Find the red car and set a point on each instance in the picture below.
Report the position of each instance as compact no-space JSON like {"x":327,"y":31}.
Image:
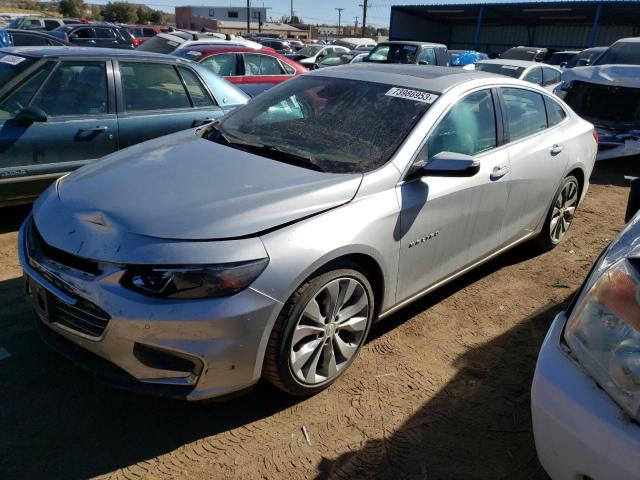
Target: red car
{"x":252,"y":70}
{"x":142,"y":33}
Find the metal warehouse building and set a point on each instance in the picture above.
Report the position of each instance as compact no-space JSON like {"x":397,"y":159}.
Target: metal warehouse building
{"x":494,"y":26}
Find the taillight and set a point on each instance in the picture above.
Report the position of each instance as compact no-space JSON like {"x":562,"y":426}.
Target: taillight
{"x":136,"y":42}
{"x":596,"y":137}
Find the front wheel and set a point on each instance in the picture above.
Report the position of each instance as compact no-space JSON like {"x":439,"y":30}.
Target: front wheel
{"x":560,"y":214}
{"x":319,"y":332}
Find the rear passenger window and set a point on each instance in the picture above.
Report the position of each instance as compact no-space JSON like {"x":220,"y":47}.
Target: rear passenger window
{"x":550,"y":76}
{"x":75,"y":88}
{"x":197,"y":92}
{"x":289,"y":70}
{"x":104,"y":33}
{"x":223,"y":64}
{"x":534,"y":76}
{"x":555,"y":113}
{"x":84,"y":33}
{"x":22,"y":40}
{"x":152,"y":86}
{"x":525,"y":112}
{"x":468,"y":128}
{"x":149,"y":32}
{"x":256,"y":64}
{"x":51,"y":24}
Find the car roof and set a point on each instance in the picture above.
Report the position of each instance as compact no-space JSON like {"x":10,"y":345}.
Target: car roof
{"x":46,"y":52}
{"x":405,"y":76}
{"x":212,"y":47}
{"x":629,"y":40}
{"x":411,"y":42}
{"x":513,"y":63}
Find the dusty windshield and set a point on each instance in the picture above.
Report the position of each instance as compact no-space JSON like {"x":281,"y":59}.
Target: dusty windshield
{"x":310,"y":50}
{"x":11,"y":66}
{"x":393,"y":53}
{"x":623,"y":53}
{"x":326,"y":124}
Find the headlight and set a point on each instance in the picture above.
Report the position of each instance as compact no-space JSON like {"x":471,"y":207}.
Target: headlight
{"x":562,"y":89}
{"x":194,"y":282}
{"x":603,"y":332}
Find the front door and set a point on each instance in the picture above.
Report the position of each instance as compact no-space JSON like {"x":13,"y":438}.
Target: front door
{"x":448,"y":223}
{"x":80,"y":125}
{"x":160,"y":98}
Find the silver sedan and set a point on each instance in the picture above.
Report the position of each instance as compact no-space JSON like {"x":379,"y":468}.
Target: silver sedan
{"x":266,"y":244}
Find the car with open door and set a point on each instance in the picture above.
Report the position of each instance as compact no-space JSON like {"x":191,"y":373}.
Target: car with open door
{"x":63,"y":107}
{"x":266,"y":244}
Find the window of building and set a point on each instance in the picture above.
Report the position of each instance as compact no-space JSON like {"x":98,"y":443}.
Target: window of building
{"x":232,"y":14}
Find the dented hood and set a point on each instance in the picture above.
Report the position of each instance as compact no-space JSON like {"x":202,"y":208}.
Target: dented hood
{"x":183,"y":187}
{"x":610,"y":75}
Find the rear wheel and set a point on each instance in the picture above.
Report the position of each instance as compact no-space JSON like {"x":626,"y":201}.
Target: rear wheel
{"x":560,"y":214}
{"x":319,"y":332}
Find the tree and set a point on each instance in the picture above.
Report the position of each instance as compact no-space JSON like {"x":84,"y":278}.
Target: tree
{"x":72,"y":8}
{"x":143,"y":15}
{"x":120,"y":12}
{"x":156,"y":17}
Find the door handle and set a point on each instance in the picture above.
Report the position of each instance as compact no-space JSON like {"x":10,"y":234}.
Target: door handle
{"x":199,"y":123}
{"x":499,"y":172}
{"x":95,"y":129}
{"x":556,"y":149}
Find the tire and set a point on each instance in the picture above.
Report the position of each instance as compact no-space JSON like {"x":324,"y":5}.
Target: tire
{"x":301,"y":328}
{"x":563,"y":208}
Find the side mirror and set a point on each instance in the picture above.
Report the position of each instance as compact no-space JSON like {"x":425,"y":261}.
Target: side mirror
{"x":30,"y":115}
{"x":450,"y":164}
{"x":583,"y":62}
{"x":423,"y":62}
{"x":633,"y":203}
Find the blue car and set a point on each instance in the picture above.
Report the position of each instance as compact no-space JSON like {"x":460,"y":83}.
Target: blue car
{"x":62,"y":107}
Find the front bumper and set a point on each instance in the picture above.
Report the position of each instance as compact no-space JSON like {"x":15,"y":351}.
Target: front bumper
{"x":614,"y":145}
{"x":580,"y":432}
{"x":193,"y":349}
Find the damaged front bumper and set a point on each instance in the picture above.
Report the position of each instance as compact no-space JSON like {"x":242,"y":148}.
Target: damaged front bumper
{"x":615,"y":144}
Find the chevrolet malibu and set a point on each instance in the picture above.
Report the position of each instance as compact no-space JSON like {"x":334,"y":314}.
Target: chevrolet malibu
{"x":585,"y":398}
{"x":194,"y":264}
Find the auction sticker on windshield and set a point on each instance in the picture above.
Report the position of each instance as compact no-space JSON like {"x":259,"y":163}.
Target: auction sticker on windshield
{"x":417,"y":95}
{"x":12,"y":59}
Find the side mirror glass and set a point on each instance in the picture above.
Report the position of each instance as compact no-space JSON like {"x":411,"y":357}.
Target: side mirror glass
{"x":450,"y":164}
{"x":30,"y":115}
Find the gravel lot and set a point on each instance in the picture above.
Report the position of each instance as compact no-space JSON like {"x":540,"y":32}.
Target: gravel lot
{"x":440,"y":391}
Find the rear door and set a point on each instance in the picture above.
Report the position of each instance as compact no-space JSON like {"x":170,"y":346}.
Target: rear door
{"x":83,"y":37}
{"x":81,"y":124}
{"x":537,"y":155}
{"x":262,"y":69}
{"x":157,"y":98}
{"x":105,"y":38}
{"x":227,"y":65}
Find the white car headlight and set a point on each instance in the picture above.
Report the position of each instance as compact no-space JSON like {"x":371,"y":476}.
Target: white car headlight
{"x":603,"y":331}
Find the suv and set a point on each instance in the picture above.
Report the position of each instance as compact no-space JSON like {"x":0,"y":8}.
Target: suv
{"x":98,"y":34}
{"x":418,"y":53}
{"x":40,"y":23}
{"x":532,"y":54}
{"x":280,"y":46}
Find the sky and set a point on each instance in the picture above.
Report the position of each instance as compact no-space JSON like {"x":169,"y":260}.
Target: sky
{"x":311,"y":11}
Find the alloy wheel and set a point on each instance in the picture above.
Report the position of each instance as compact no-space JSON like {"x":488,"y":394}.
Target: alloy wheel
{"x":564,"y":208}
{"x":329,"y":331}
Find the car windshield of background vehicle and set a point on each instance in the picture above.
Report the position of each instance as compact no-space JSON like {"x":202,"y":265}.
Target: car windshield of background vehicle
{"x":519,"y":54}
{"x":393,"y":54}
{"x":159,"y":44}
{"x":310,"y":50}
{"x":620,"y":54}
{"x":12,"y":65}
{"x":508,"y":70}
{"x":330,"y":124}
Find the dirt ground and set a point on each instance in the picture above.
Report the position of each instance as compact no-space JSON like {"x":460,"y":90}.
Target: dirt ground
{"x":440,"y":391}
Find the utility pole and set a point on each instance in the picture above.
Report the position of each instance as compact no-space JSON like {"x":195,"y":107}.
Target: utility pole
{"x":356,"y":25}
{"x":365,"y":7}
{"x":291,"y":17}
{"x":339,"y":17}
{"x":248,"y":16}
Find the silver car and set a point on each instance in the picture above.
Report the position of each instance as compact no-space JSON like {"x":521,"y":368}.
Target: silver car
{"x":546,"y":76}
{"x":266,"y":244}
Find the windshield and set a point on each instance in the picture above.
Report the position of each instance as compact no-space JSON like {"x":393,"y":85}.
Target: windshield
{"x":393,"y":54}
{"x":621,"y":53}
{"x":337,"y":59}
{"x":519,"y":54}
{"x":560,"y":57}
{"x":508,"y":70}
{"x":159,"y":44}
{"x":327,"y":124}
{"x":11,"y":66}
{"x":310,"y":50}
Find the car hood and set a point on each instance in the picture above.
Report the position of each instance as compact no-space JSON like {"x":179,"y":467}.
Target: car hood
{"x":612,"y":75}
{"x":183,"y":187}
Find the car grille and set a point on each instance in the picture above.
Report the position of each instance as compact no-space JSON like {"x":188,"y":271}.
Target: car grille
{"x":604,"y":104}
{"x":83,"y":317}
{"x":37,"y":245}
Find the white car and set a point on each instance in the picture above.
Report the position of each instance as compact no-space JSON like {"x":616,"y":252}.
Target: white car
{"x":311,"y":55}
{"x":585,"y":399}
{"x":546,"y":76}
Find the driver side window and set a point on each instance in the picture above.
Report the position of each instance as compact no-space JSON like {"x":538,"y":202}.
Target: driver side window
{"x":469,"y":127}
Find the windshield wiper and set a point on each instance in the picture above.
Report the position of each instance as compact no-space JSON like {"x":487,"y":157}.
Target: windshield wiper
{"x":274,"y":153}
